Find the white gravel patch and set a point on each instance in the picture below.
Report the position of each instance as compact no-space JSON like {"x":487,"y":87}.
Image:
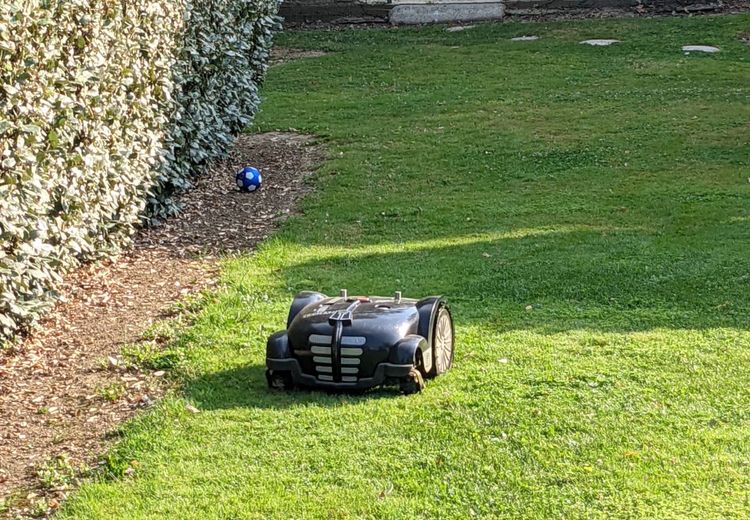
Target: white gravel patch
{"x":459,"y":28}
{"x":699,"y":48}
{"x":599,"y":43}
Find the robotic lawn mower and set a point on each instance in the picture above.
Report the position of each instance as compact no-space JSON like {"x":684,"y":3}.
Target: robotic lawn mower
{"x":361,"y":342}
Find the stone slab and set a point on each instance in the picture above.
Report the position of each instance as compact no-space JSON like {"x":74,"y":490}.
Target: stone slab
{"x":599,"y":43}
{"x":700,"y":48}
{"x":411,"y":14}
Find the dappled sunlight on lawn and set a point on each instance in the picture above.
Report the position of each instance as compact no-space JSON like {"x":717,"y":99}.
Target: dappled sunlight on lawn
{"x":297,"y":256}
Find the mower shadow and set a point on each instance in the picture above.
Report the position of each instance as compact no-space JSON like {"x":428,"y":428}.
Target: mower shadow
{"x":245,"y":387}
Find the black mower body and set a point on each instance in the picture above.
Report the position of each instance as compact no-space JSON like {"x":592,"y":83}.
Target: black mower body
{"x":358,"y":342}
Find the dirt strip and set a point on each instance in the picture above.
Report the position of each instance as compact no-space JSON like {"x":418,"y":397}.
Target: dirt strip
{"x":65,"y":387}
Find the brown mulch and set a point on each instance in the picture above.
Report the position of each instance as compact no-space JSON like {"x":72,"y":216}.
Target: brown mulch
{"x":52,"y":384}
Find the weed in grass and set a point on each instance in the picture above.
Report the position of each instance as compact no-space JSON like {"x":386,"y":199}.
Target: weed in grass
{"x":111,"y":392}
{"x":151,"y":356}
{"x":59,"y":472}
{"x":165,"y":331}
{"x":160,"y":347}
{"x":189,"y":305}
{"x":38,"y":508}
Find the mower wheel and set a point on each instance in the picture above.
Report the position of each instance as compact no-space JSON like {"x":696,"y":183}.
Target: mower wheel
{"x":279,"y":380}
{"x":442,"y":341}
{"x":413,"y":383}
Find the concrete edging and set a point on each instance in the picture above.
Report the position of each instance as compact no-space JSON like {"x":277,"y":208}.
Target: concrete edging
{"x":410,"y":14}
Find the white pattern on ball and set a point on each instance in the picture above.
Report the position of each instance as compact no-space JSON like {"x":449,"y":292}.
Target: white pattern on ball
{"x":240,"y":184}
{"x":252,"y":187}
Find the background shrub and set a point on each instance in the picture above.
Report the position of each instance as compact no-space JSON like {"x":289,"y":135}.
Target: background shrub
{"x":107,"y":109}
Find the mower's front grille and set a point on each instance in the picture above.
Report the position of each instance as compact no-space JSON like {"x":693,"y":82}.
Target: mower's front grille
{"x":350,"y":352}
{"x":353,"y":341}
{"x":319,"y":339}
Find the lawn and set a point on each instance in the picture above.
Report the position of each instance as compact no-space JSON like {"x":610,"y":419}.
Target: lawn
{"x":586,"y":210}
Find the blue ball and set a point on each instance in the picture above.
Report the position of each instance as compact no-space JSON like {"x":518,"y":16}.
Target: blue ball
{"x":249,"y":179}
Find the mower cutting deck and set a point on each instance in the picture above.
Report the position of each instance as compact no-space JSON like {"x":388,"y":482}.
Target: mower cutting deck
{"x":361,"y":342}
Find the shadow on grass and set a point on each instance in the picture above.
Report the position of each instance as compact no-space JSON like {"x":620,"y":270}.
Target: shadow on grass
{"x":245,"y":387}
{"x":543,"y":281}
{"x":615,"y":280}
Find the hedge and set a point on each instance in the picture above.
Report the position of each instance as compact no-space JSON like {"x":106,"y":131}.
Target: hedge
{"x":107,"y":109}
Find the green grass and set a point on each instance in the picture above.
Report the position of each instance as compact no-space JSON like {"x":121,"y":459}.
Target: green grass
{"x":586,"y":211}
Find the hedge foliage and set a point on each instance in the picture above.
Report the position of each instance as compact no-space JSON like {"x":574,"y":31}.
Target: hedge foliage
{"x":107,"y":109}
